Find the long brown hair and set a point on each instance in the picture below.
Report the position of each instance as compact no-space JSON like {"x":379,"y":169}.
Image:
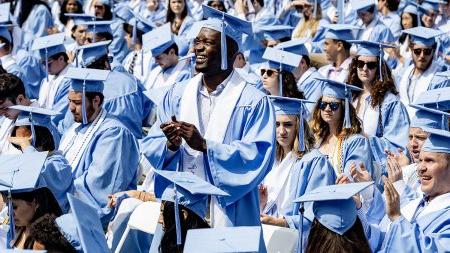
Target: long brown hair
{"x":309,"y":141}
{"x":321,"y":129}
{"x":321,"y":239}
{"x":290,"y":88}
{"x":379,"y":88}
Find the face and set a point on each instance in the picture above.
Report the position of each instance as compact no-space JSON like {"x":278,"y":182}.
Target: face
{"x":416,"y":139}
{"x":429,"y":18}
{"x":407,"y":20}
{"x":207,"y":51}
{"x":328,"y":115}
{"x":308,"y":11}
{"x":129,"y":41}
{"x":381,"y":4}
{"x":76,"y":107}
{"x":5,"y":111}
{"x":55,"y":65}
{"x":80,"y":35}
{"x":99,"y":10}
{"x":23,"y":212}
{"x":217,"y":5}
{"x":71,"y":6}
{"x":367,"y":73}
{"x":270,"y":80}
{"x":422,"y":56}
{"x":286,"y":130}
{"x":23,"y":131}
{"x":152,"y":5}
{"x":164,"y":60}
{"x":434,"y":173}
{"x":177,"y":6}
{"x":365,"y":16}
{"x":331,"y":49}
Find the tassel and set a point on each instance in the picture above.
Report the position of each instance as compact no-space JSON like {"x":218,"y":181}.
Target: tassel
{"x":142,"y":62}
{"x":46,"y":64}
{"x":177,"y":216}
{"x":347,"y":121}
{"x":76,"y":58}
{"x":11,"y":232}
{"x":315,"y":9}
{"x":33,"y":131}
{"x":223,"y":45}
{"x":340,"y":11}
{"x":381,"y":63}
{"x":83,"y":104}
{"x":301,"y":133}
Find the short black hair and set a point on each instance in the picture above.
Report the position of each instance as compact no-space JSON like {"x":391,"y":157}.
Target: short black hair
{"x":307,"y":59}
{"x":104,"y":35}
{"x":91,"y":95}
{"x":129,"y":30}
{"x":346,"y":45}
{"x":11,"y":87}
{"x":174,"y":47}
{"x":100,"y":63}
{"x":57,"y":55}
{"x":46,"y":231}
{"x":261,"y":2}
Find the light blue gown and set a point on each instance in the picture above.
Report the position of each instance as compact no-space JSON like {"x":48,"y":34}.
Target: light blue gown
{"x":34,"y":73}
{"x":237,"y":165}
{"x":118,"y":46}
{"x":182,"y":40}
{"x":36,"y":25}
{"x":108,"y":165}
{"x":311,"y":87}
{"x":379,"y":33}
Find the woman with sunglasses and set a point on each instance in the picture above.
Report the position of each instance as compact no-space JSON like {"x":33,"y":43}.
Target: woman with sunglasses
{"x":338,"y":130}
{"x":278,"y":70}
{"x":384,"y":118}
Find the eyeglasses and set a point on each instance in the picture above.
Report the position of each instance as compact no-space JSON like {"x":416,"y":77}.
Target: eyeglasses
{"x":426,"y":51}
{"x":333,"y":105}
{"x":370,"y":64}
{"x":269,"y":72}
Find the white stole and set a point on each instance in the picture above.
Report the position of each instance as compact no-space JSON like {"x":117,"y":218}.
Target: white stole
{"x":6,"y":128}
{"x":438,"y":203}
{"x":216,"y":130}
{"x":276,"y":182}
{"x":48,"y":89}
{"x":74,"y":143}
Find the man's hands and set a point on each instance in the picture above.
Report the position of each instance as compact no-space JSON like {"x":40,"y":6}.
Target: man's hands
{"x":175,"y":131}
{"x":392,"y":200}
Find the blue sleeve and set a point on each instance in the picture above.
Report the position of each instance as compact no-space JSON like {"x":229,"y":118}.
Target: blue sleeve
{"x":61,"y":101}
{"x":357,"y":150}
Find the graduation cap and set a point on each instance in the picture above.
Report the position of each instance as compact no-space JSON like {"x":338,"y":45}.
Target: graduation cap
{"x":124,"y":12}
{"x":411,"y":8}
{"x":362,"y":5}
{"x":80,"y":18}
{"x":5,"y":12}
{"x":19,"y":173}
{"x":89,"y":53}
{"x":340,"y":31}
{"x":36,"y":116}
{"x":295,"y":107}
{"x":333,"y":205}
{"x":139,"y":23}
{"x":423,"y":36}
{"x":282,"y":60}
{"x":340,"y":91}
{"x":274,"y":32}
{"x":437,"y":99}
{"x":227,"y":25}
{"x":48,"y":46}
{"x":225,"y":240}
{"x":190,"y":191}
{"x":82,"y":227}
{"x":103,"y":26}
{"x":158,"y":40}
{"x":438,"y":141}
{"x":86,"y":80}
{"x":370,"y":48}
{"x":295,"y":46}
{"x":428,"y":117}
{"x":431,"y":5}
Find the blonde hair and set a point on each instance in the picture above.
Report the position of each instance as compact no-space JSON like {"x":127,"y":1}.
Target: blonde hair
{"x":308,"y":28}
{"x":309,"y":141}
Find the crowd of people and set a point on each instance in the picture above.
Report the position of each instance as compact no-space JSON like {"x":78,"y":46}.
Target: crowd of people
{"x":330,"y":118}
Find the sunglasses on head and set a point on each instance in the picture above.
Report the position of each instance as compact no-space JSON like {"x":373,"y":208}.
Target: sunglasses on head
{"x":333,"y":105}
{"x":269,"y":72}
{"x":370,"y":64}
{"x":426,"y":51}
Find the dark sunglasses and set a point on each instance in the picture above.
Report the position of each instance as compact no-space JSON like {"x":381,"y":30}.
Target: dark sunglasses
{"x":269,"y":72}
{"x":370,"y":64}
{"x":426,"y":51}
{"x":333,"y":105}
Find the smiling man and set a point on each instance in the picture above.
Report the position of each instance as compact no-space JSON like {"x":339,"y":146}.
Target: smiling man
{"x":217,"y":126}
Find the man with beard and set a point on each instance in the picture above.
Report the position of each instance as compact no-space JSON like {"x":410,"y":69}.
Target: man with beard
{"x":102,"y":152}
{"x":216,"y":125}
{"x":418,"y":76}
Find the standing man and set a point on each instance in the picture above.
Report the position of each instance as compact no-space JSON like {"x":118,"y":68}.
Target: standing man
{"x":217,"y":126}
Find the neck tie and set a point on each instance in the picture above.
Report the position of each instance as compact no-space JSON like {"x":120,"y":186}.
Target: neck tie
{"x":419,"y":209}
{"x":133,"y":62}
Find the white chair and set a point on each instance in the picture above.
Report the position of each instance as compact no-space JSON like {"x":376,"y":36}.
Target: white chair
{"x":144,"y":218}
{"x":280,"y":239}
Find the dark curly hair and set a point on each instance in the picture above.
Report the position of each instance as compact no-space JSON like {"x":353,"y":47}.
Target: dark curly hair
{"x":62,"y":17}
{"x":11,"y":87}
{"x":45,"y":231}
{"x":379,"y":88}
{"x":290,"y":86}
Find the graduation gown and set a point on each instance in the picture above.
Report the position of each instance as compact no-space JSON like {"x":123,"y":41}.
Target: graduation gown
{"x":239,"y":162}
{"x":104,"y":157}
{"x":311,"y":87}
{"x":35,"y":26}
{"x":375,"y":31}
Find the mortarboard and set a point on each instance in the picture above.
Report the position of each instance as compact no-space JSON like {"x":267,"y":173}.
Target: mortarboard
{"x":428,"y":117}
{"x":89,"y":53}
{"x":437,"y":99}
{"x":103,"y":26}
{"x":49,"y":46}
{"x":423,"y":36}
{"x":80,"y":18}
{"x":36,"y":116}
{"x":369,"y":48}
{"x":227,"y":25}
{"x":411,"y":8}
{"x":431,"y":5}
{"x":438,"y":141}
{"x":333,"y":205}
{"x":362,"y":5}
{"x":339,"y":31}
{"x":190,"y":191}
{"x":86,"y":80}
{"x":158,"y":40}
{"x":225,"y":240}
{"x":274,"y":32}
{"x":5,"y":33}
{"x":139,"y":23}
{"x":124,"y":12}
{"x":5,"y":12}
{"x":292,"y":106}
{"x":340,"y":91}
{"x":295,"y":46}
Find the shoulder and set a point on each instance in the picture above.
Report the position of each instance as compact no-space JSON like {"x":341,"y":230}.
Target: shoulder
{"x":356,"y":139}
{"x":313,"y":156}
{"x":111,"y":125}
